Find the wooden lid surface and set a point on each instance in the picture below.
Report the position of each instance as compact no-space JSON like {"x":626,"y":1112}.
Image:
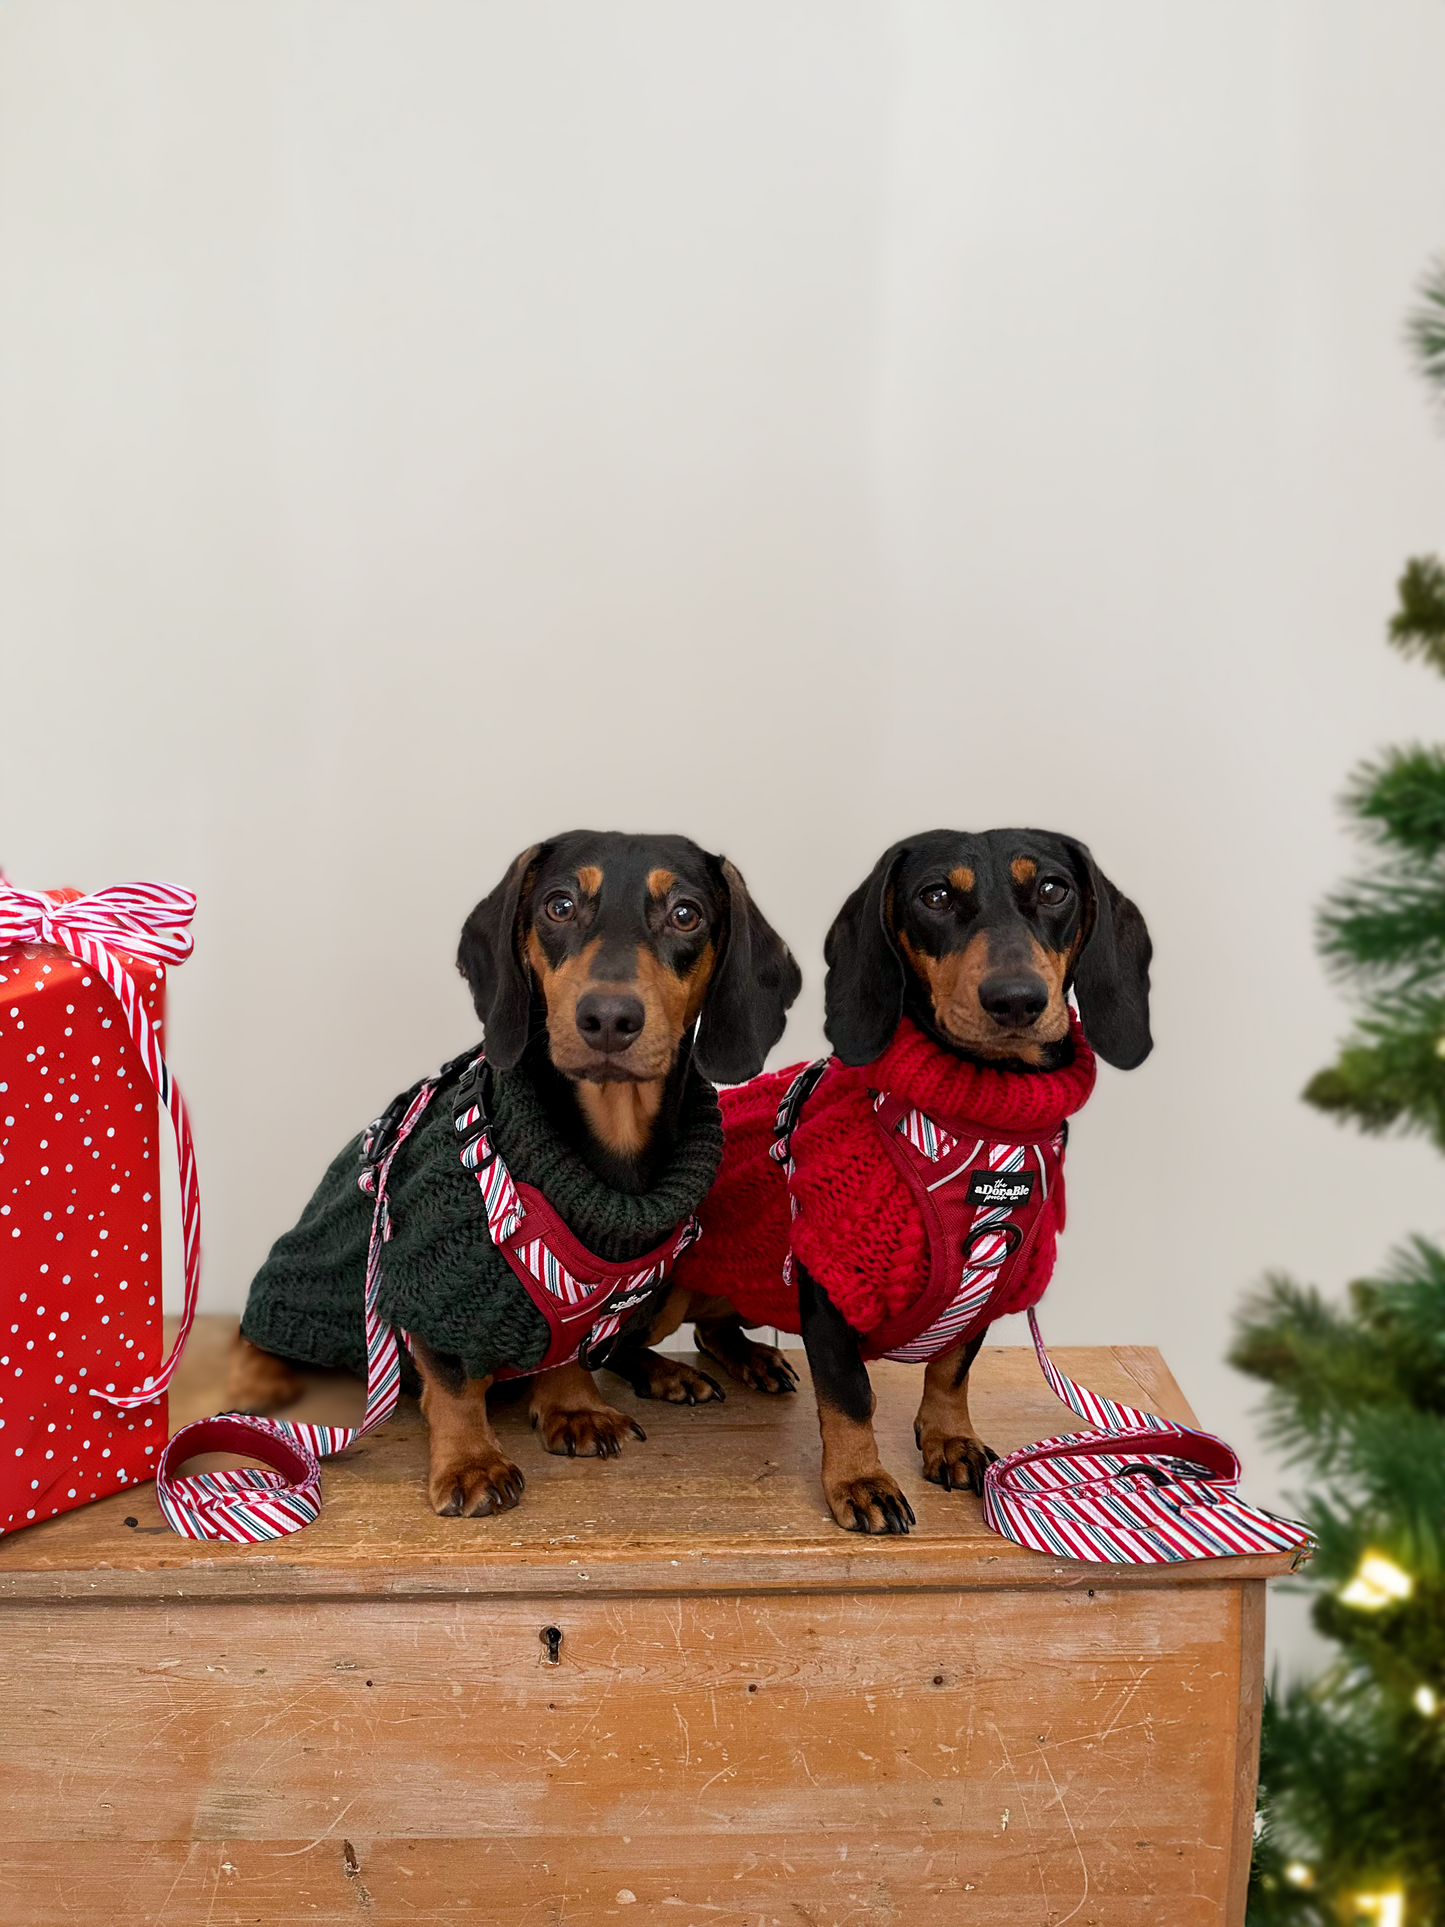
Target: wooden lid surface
{"x":719,"y":1499}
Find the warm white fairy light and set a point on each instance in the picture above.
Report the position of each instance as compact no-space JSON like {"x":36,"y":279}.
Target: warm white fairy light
{"x":1299,"y":1875}
{"x":1378,"y":1582}
{"x":1426,"y":1701}
{"x":1385,"y":1910}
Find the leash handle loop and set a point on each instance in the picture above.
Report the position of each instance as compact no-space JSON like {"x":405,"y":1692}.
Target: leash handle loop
{"x":1138,"y":1489}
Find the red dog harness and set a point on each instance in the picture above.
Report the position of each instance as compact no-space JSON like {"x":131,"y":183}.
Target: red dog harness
{"x":984,"y":1197}
{"x":583,"y":1298}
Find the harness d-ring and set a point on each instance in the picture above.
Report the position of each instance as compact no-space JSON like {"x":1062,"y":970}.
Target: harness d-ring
{"x":1010,"y":1233}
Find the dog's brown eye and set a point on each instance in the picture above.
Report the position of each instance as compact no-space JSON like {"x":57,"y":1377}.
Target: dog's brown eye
{"x":561,"y":908}
{"x":1054,"y":890}
{"x":684,"y":916}
{"x":936,"y":896}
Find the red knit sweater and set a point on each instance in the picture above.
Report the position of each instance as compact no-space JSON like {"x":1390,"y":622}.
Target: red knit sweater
{"x":857,"y":1228}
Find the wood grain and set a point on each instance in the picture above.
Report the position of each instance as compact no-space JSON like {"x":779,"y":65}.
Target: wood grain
{"x":1054,"y":1756}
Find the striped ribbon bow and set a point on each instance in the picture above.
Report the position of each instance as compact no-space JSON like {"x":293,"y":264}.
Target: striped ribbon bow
{"x":150,"y":920}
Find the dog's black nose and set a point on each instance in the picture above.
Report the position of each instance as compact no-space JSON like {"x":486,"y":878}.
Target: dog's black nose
{"x":1016,"y":1000}
{"x":609,"y":1020}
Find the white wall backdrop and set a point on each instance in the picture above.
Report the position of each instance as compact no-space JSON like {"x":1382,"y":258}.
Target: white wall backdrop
{"x":426,"y":424}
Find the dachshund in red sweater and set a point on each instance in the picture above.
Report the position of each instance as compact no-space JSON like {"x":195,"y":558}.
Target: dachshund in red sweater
{"x":910,"y":1190}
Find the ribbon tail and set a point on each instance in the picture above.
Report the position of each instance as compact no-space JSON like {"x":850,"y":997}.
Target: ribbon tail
{"x":88,"y":951}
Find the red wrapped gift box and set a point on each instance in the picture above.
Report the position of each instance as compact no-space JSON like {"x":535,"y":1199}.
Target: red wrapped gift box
{"x":80,"y":1227}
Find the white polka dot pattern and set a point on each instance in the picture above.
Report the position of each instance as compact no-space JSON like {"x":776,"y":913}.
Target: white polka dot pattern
{"x":80,"y":1235}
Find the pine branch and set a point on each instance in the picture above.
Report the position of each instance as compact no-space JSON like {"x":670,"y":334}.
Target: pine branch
{"x":1320,"y":1365}
{"x":1401,"y":1647}
{"x":1401,"y":799}
{"x":1330,"y":1369}
{"x":1390,"y":1074}
{"x":1409,"y":1299}
{"x":1391,"y":922}
{"x":1417,"y":627}
{"x":1426,"y":327}
{"x":1388,"y":1492}
{"x":1353,"y":1785}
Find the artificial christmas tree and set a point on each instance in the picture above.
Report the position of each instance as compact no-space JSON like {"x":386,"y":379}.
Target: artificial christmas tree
{"x":1352,"y":1771}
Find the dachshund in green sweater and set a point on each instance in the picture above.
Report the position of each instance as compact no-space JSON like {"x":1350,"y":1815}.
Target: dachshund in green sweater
{"x":618,"y":979}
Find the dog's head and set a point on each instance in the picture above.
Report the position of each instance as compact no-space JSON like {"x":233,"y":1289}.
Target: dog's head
{"x":619,"y":945}
{"x":980,"y":938}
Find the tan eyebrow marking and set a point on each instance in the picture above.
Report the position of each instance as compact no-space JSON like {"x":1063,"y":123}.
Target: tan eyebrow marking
{"x":1023,"y":869}
{"x":589,"y":879}
{"x":962,"y":878}
{"x":659,"y":882}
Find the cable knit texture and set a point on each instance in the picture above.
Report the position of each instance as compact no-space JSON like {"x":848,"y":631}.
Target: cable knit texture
{"x":442,"y":1277}
{"x":857,"y":1228}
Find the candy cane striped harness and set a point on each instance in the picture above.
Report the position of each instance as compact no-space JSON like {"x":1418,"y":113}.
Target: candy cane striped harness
{"x":1148,"y":1491}
{"x":584,"y":1300}
{"x":982,"y":1192}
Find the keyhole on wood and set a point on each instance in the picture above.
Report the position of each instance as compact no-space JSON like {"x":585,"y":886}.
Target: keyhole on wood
{"x":551,"y":1638}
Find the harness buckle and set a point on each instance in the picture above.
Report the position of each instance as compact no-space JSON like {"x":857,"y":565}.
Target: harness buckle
{"x":473,"y":1087}
{"x":377,"y":1137}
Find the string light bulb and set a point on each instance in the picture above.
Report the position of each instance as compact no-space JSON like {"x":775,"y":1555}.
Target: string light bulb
{"x":1377,"y":1582}
{"x":1426,"y":1701}
{"x":1385,"y":1910}
{"x":1299,"y":1875}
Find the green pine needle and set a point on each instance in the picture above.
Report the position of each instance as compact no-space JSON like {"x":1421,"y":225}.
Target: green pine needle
{"x":1417,"y":627}
{"x":1426,"y":326}
{"x":1401,"y":799}
{"x":1390,"y":1074}
{"x":1356,"y":1785}
{"x":1327,"y":1365}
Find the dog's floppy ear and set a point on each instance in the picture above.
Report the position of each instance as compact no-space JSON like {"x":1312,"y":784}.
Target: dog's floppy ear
{"x":753,"y":982}
{"x":491,"y":961}
{"x":1111,"y":976}
{"x":863,"y":991}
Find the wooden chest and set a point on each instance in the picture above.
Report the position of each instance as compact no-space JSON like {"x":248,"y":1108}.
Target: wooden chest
{"x":750,"y":1719}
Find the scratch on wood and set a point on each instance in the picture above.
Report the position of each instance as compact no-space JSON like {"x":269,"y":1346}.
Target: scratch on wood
{"x":1063,"y":1808}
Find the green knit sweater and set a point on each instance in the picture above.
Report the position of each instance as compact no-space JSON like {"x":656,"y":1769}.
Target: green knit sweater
{"x":442,"y":1277}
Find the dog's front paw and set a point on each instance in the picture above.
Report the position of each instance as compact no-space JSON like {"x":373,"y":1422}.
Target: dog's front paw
{"x":873,"y":1503}
{"x":763,"y":1368}
{"x":957,"y":1464}
{"x":471,"y":1487}
{"x":654,"y":1375}
{"x":588,"y":1432}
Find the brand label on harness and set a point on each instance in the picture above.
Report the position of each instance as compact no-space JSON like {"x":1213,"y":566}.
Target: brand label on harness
{"x":1006,"y":1188}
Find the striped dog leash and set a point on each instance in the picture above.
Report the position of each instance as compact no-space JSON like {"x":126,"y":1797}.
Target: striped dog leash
{"x":283,"y":1493}
{"x":1137,"y":1490}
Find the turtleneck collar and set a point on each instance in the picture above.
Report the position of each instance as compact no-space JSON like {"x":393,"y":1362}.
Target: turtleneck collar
{"x":943,"y":1086}
{"x":617,"y":1225}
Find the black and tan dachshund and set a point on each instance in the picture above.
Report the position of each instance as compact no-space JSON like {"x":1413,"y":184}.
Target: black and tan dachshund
{"x":611,"y":968}
{"x":978,"y":939}
{"x":958,"y":951}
